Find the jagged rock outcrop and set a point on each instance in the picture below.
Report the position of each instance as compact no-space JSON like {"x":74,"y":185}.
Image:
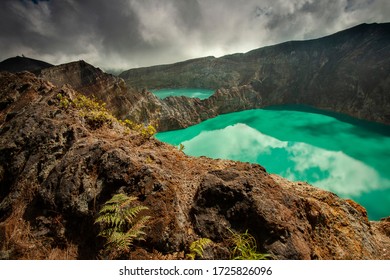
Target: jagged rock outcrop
{"x":56,"y":170}
{"x":92,"y":81}
{"x":144,"y":107}
{"x":347,"y":72}
{"x":124,"y":101}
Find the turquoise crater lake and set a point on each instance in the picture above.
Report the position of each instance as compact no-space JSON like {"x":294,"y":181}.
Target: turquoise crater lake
{"x":188,"y":92}
{"x":343,"y":155}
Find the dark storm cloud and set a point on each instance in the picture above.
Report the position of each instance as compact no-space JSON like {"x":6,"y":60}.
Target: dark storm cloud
{"x":130,"y":33}
{"x":63,"y":30}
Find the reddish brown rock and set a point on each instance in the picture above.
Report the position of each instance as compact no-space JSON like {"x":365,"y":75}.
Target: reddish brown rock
{"x":56,"y":170}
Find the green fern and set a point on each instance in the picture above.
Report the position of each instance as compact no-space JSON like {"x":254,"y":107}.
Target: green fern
{"x":243,"y":247}
{"x":121,"y":224}
{"x":197,"y":248}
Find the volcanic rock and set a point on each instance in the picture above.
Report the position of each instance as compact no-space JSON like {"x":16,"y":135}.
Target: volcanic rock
{"x":56,"y":171}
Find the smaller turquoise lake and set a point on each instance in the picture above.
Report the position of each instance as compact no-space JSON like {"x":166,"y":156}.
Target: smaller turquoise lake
{"x":337,"y":153}
{"x":189,"y":92}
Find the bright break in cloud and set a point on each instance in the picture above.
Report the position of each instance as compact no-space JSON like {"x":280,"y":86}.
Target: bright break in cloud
{"x":123,"y":34}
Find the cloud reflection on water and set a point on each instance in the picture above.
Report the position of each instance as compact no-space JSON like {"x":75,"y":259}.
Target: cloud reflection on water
{"x":346,"y":176}
{"x":239,"y":142}
{"x":331,"y":170}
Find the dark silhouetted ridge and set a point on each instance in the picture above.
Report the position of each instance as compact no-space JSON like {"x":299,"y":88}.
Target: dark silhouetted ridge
{"x":21,"y":63}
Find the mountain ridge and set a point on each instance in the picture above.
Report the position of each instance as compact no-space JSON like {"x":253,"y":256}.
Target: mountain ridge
{"x":347,"y":72}
{"x":22,"y":63}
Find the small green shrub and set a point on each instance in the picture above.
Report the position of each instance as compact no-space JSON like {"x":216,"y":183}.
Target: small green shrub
{"x":96,"y":114}
{"x":197,"y":248}
{"x":146,"y":131}
{"x":64,"y":101}
{"x":121,"y":224}
{"x":89,"y":104}
{"x":181,"y":147}
{"x":93,"y":111}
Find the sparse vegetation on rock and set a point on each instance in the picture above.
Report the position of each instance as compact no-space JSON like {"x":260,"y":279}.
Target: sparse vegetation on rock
{"x":92,"y":110}
{"x":146,"y":131}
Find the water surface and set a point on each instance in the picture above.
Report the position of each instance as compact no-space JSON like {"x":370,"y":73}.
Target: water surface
{"x":189,"y":92}
{"x":346,"y":156}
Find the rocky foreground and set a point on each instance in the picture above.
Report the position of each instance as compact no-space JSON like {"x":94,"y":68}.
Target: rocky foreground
{"x":57,"y":168}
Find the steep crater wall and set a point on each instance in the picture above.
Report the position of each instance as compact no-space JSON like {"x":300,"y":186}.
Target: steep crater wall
{"x":347,"y":72}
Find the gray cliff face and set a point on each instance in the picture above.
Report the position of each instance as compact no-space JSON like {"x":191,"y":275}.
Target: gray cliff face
{"x":180,"y":112}
{"x":206,"y":72}
{"x":347,"y":72}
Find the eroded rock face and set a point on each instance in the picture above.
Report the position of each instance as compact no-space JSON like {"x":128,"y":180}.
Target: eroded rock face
{"x":144,"y":107}
{"x":93,"y":82}
{"x":123,"y":101}
{"x":347,"y":72}
{"x":56,"y":171}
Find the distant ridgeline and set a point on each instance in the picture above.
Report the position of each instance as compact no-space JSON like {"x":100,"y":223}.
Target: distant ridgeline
{"x":22,"y":63}
{"x":347,"y":72}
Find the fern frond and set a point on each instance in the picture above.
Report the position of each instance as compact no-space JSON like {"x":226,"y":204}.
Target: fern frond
{"x":109,"y":208}
{"x":122,"y":198}
{"x":137,"y":229}
{"x":191,"y":256}
{"x":106,"y":233}
{"x":130,"y":213}
{"x":125,"y":201}
{"x":197,"y":248}
{"x":111,"y":220}
{"x":244,"y":247}
{"x":140,"y":223}
{"x":121,"y":224}
{"x":119,"y":241}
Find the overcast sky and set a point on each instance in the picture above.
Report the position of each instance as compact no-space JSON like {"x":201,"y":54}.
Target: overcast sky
{"x":123,"y":34}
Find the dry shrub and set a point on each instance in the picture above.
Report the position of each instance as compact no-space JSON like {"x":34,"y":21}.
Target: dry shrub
{"x":17,"y":239}
{"x":68,"y":253}
{"x":18,"y":242}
